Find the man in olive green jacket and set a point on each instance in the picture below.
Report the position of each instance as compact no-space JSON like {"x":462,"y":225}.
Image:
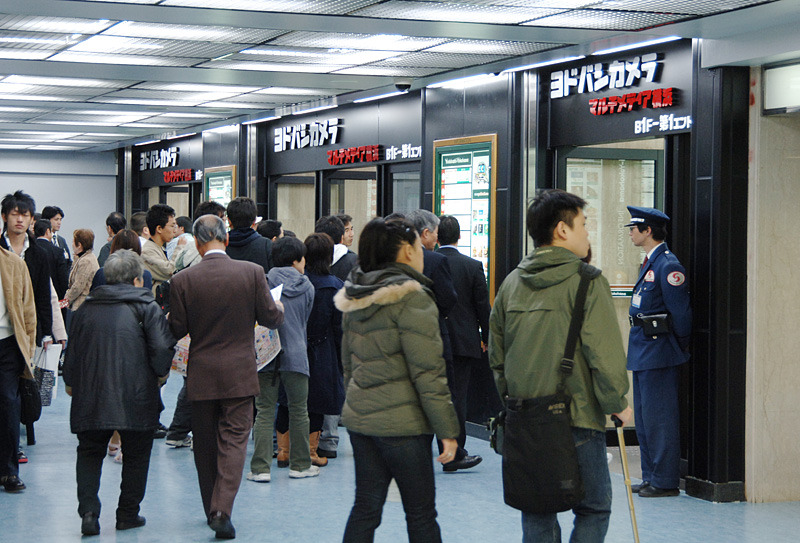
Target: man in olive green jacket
{"x":528,"y":332}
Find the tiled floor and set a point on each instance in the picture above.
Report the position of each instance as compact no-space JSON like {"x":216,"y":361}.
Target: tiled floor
{"x":470,"y":504}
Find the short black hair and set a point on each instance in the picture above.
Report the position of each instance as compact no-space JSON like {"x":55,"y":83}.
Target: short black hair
{"x":319,"y":253}
{"x":287,"y":251}
{"x":158,"y":215}
{"x":289,"y":234}
{"x":41,"y":227}
{"x":549,"y":208}
{"x":51,"y":211}
{"x":185,"y":223}
{"x":116,"y":221}
{"x":269,"y":228}
{"x":449,"y":230}
{"x":345,"y":218}
{"x":138,"y":222}
{"x":20,"y":201}
{"x":331,"y":225}
{"x":659,"y":232}
{"x":381,"y":239}
{"x":209,"y":208}
{"x":242,"y":212}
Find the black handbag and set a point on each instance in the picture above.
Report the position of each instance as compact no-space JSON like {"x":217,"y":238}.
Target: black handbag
{"x":541,"y":473}
{"x":31,"y":401}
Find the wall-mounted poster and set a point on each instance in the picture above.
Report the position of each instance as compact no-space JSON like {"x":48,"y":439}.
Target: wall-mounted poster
{"x":464,"y":187}
{"x":219,"y":184}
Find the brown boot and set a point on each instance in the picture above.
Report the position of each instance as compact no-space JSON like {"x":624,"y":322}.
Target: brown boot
{"x":313,"y":443}
{"x":283,"y":449}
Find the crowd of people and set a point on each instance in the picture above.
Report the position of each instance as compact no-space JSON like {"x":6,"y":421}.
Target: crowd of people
{"x":382,"y":342}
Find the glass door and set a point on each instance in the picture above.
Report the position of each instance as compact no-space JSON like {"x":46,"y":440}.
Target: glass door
{"x":292,"y":201}
{"x":353,"y":192}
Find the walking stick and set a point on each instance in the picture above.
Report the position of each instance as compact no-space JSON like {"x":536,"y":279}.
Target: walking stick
{"x":623,"y":455}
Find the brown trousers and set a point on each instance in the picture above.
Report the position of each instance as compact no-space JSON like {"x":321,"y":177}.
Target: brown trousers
{"x":221,"y":429}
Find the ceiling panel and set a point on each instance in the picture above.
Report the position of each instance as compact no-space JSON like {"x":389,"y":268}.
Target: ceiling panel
{"x":492,"y":47}
{"x":608,"y":19}
{"x":376,"y":42}
{"x":272,"y":66}
{"x":149,"y":46}
{"x":308,"y":55}
{"x":455,"y":11}
{"x":225,"y":34}
{"x":438,"y":60}
{"x":63,"y":25}
{"x":133,"y":60}
{"x":695,"y":7}
{"x":389,"y":71}
{"x":330,"y":7}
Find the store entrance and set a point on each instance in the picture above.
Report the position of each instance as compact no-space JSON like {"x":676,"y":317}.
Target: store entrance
{"x":353,"y":192}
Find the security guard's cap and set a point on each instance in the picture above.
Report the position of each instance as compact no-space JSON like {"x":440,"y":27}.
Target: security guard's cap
{"x":647,"y":216}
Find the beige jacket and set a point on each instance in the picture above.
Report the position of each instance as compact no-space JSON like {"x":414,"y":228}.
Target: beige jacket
{"x":156,"y":262}
{"x":80,"y":278}
{"x":18,"y":292}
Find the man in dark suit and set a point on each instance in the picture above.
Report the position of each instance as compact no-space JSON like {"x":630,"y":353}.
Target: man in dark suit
{"x":218,"y":301}
{"x":58,"y":266}
{"x":437,"y":269}
{"x":468,"y":322}
{"x":55,"y":215}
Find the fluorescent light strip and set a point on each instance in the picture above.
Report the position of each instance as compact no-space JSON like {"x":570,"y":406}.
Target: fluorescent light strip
{"x":637,"y":45}
{"x":464,"y":82}
{"x":182,"y":136}
{"x":313,"y":109}
{"x":379,"y":97}
{"x":145,"y":142}
{"x":223,"y":129}
{"x":541,"y":64}
{"x":262,"y":120}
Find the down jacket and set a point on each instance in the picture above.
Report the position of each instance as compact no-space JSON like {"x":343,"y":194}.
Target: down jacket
{"x":120,"y":344}
{"x":394,"y":374}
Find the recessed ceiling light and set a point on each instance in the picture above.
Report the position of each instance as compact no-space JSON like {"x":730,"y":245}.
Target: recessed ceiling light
{"x":636,"y":45}
{"x":542,"y":64}
{"x":379,"y":97}
{"x":313,"y":109}
{"x":465,"y":82}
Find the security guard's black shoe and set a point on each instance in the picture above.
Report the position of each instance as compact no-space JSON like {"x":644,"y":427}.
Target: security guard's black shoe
{"x":636,"y":488}
{"x":651,"y":491}
{"x":469,"y":461}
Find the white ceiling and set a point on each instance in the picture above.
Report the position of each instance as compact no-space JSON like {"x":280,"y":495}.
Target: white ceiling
{"x":100,"y":74}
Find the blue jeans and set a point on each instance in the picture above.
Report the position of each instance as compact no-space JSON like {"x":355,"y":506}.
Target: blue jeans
{"x":594,"y":512}
{"x":409,"y":461}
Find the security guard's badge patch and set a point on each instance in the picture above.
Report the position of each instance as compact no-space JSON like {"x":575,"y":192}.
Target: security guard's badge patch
{"x":650,"y":276}
{"x":676,"y":279}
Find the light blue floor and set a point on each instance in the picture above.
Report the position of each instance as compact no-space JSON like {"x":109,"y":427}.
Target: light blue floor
{"x":470,"y":503}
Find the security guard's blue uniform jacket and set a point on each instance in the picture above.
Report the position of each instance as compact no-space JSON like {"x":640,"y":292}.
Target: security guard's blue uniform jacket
{"x":661,"y":287}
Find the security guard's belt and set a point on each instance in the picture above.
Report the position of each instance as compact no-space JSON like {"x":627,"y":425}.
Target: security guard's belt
{"x":652,"y":325}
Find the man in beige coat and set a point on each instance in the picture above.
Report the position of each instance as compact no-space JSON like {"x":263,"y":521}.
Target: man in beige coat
{"x":17,"y":342}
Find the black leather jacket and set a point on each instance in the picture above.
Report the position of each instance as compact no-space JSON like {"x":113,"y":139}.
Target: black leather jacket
{"x":119,"y":345}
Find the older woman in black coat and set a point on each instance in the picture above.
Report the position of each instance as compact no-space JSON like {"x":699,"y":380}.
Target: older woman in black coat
{"x":325,"y":385}
{"x":120,"y":345}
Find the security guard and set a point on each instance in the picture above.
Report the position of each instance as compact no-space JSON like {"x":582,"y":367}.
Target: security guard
{"x":661,"y":323}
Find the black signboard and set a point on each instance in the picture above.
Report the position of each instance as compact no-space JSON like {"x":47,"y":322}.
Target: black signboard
{"x":169,"y":162}
{"x":642,"y":93}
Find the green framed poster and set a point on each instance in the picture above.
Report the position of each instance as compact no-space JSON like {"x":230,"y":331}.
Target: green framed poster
{"x":464,"y":186}
{"x":219,"y":184}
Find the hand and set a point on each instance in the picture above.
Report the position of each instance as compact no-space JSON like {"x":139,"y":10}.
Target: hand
{"x":63,"y":343}
{"x":483,"y":347}
{"x":279,"y":304}
{"x":449,"y":448}
{"x":182,"y":241}
{"x":46,"y":344}
{"x":626,"y":416}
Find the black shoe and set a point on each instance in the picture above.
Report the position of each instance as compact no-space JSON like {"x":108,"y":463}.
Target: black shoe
{"x":160,"y":432}
{"x":651,"y":491}
{"x":131,"y":523}
{"x":12,"y":483}
{"x":636,"y":488}
{"x":326,"y":454}
{"x":221,"y":524}
{"x":90,"y":524}
{"x":465,"y":463}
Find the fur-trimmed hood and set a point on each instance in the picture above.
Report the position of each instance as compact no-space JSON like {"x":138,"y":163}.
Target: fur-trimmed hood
{"x":380,"y":287}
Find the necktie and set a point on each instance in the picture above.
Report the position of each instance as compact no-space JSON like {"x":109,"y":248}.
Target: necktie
{"x":644,"y":263}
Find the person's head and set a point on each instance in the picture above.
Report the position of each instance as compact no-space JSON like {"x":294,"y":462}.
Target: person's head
{"x":383,"y":242}
{"x":449,"y":230}
{"x":349,"y":232}
{"x":242,"y":212}
{"x":41,"y":229}
{"x":123,"y":267}
{"x":270,"y":229}
{"x":161,"y":223}
{"x":17,"y":212}
{"x":427,"y":225}
{"x":555,"y":217}
{"x":209,"y":233}
{"x":126,"y":239}
{"x":209,"y":208}
{"x":139,"y":223}
{"x":648,"y":226}
{"x":184,"y":225}
{"x":115,"y":222}
{"x":289,"y":251}
{"x":331,"y":225}
{"x":319,"y":253}
{"x":54,"y":214}
{"x":289,"y":234}
{"x":83,"y":240}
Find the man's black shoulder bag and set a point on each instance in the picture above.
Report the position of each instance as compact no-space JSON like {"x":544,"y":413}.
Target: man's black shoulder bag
{"x":540,"y":464}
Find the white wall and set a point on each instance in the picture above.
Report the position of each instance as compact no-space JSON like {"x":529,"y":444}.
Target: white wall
{"x":772,"y":446}
{"x":82,"y":184}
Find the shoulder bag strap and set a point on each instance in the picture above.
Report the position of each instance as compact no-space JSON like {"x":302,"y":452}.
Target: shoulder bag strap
{"x":587,"y":273}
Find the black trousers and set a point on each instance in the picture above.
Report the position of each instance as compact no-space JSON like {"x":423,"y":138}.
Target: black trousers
{"x":136,"y":447}
{"x":458,"y":382}
{"x":182,"y":419}
{"x":11,"y":366}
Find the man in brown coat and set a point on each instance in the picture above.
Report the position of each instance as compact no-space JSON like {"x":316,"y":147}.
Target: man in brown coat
{"x":217,"y":302}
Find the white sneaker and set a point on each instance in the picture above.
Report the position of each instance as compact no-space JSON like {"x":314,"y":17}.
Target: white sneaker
{"x":258,"y":477}
{"x":178,"y":443}
{"x":312,"y":471}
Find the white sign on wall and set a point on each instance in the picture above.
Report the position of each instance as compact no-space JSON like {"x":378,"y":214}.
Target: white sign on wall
{"x":315,"y":134}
